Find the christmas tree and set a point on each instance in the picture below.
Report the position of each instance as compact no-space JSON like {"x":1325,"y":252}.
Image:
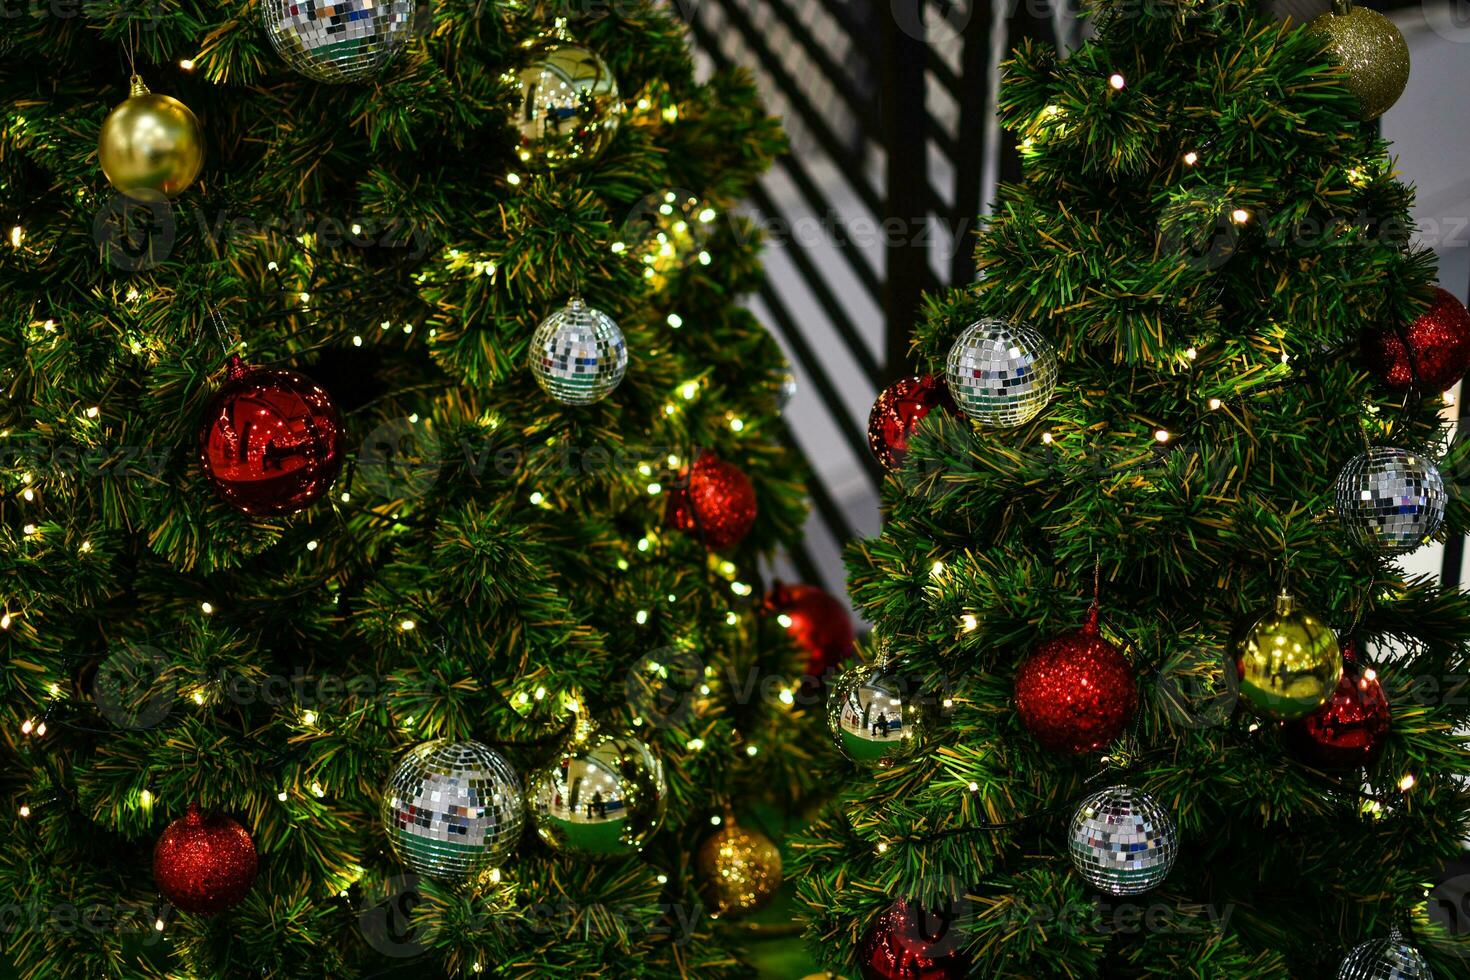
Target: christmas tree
{"x":1089,"y":739}
{"x":387,"y":471}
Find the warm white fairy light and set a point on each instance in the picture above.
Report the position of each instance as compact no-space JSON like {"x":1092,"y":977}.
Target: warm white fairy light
{"x":969,"y":622}
{"x":1161,"y":435}
{"x":1117,"y":81}
{"x":1240,"y":216}
{"x":317,"y":790}
{"x":1407,"y":783}
{"x":784,"y":620}
{"x":1215,"y":403}
{"x":1191,"y":158}
{"x":187,"y":64}
{"x":207,"y":608}
{"x":641,"y":617}
{"x":408,"y":626}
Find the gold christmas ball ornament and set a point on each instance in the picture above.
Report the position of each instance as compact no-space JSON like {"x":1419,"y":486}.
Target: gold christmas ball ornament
{"x":1372,"y":50}
{"x":1289,"y":662}
{"x":151,"y":147}
{"x":567,"y":105}
{"x":738,"y":870}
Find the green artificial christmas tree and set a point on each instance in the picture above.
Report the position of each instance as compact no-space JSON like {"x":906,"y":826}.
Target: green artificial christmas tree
{"x":387,"y":467}
{"x":1149,"y":695}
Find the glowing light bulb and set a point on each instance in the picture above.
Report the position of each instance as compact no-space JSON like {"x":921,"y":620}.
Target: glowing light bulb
{"x":1117,"y":81}
{"x":1191,"y":158}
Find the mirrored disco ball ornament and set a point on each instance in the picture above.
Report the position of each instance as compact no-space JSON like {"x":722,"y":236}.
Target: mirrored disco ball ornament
{"x":337,"y":41}
{"x":604,"y":796}
{"x":1390,"y":499}
{"x":578,"y":354}
{"x":1384,"y":959}
{"x":1001,"y":374}
{"x":1122,"y":841}
{"x":878,"y":715}
{"x":453,"y":809}
{"x":567,"y":104}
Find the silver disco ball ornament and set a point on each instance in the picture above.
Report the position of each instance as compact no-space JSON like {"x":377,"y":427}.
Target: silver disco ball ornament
{"x":1122,"y":841}
{"x":338,"y":41}
{"x":578,"y":354}
{"x":878,"y":715}
{"x":1390,"y":499}
{"x":603,"y":796}
{"x":567,"y":106}
{"x":1001,"y":374}
{"x":1384,"y":959}
{"x":453,"y":809}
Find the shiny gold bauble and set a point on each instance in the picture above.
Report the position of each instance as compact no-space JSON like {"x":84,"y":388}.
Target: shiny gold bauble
{"x":151,"y":147}
{"x":567,"y":107}
{"x":1289,"y":663}
{"x":738,"y":870}
{"x":1373,"y":51}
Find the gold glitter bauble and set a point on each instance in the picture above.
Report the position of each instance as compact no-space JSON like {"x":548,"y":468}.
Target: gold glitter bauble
{"x":1373,"y":51}
{"x":1289,"y":663}
{"x":151,"y":146}
{"x":738,"y":870}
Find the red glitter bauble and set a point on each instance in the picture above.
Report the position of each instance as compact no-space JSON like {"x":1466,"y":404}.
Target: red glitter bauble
{"x":716,"y":503}
{"x":898,"y":412}
{"x":909,"y":943}
{"x":204,"y":864}
{"x":1435,"y":349}
{"x":271,"y":442}
{"x":1076,"y":693}
{"x":1349,"y":730}
{"x":819,"y":623}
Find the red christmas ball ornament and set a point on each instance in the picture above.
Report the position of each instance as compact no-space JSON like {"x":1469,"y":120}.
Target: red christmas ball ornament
{"x":1076,"y":692}
{"x":1349,"y":730}
{"x":272,"y":441}
{"x":899,"y":410}
{"x":911,"y":943}
{"x":1434,"y":349}
{"x":204,"y":864}
{"x":716,"y":503}
{"x":819,"y":623}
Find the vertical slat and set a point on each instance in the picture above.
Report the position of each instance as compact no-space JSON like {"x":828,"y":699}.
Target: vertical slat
{"x":976,"y":85}
{"x":905,"y":131}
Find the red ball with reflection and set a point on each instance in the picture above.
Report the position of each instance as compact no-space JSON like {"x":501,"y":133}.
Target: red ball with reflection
{"x":898,"y":412}
{"x":1349,"y":730}
{"x":1434,"y":349}
{"x":820,"y":624}
{"x":204,"y":864}
{"x":272,"y":441}
{"x":715,"y":503}
{"x":1076,"y":692}
{"x":909,"y":943}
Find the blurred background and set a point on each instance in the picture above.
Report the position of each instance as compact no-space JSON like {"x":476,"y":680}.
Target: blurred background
{"x":894,"y":151}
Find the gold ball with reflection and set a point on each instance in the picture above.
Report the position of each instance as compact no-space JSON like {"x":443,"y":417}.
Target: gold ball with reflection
{"x":151,"y":147}
{"x":567,"y":104}
{"x":738,"y":870}
{"x":1289,"y":663}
